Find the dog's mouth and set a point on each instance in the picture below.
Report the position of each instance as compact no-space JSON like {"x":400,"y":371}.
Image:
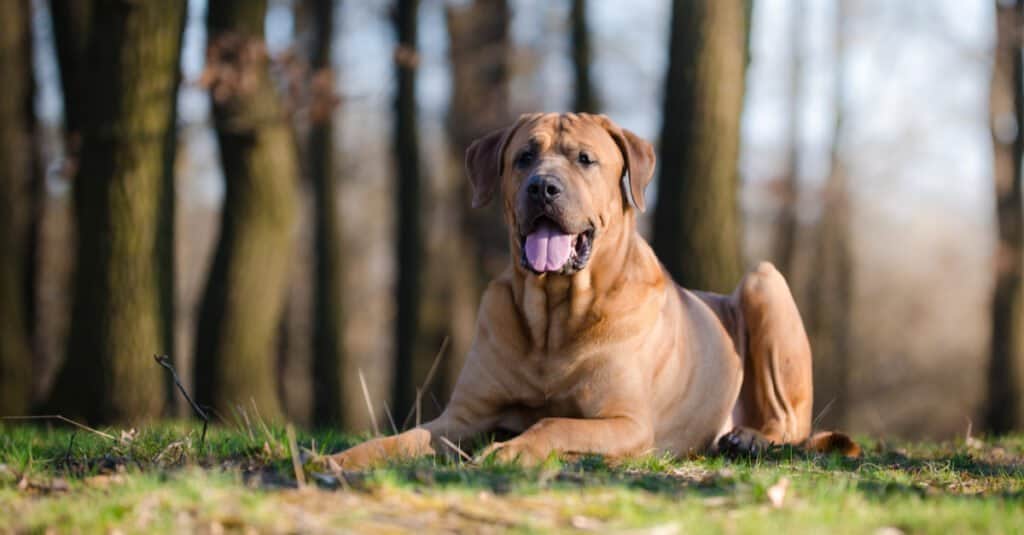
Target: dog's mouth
{"x":549,"y":248}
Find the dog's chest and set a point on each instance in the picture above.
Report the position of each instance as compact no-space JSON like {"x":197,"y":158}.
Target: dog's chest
{"x":551,"y":379}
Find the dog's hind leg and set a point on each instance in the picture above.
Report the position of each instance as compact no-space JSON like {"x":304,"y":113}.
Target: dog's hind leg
{"x":777,"y":393}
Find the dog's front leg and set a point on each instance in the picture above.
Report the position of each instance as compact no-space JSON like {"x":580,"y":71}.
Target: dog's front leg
{"x":428,"y":439}
{"x":475,"y":406}
{"x":619,"y":436}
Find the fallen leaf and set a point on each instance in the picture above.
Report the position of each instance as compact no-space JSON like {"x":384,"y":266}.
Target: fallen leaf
{"x":777,"y":492}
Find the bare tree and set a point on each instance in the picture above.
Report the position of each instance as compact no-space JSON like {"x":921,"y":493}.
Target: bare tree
{"x":329,"y":369}
{"x":15,"y":167}
{"x":245,"y":291}
{"x":584,"y":99}
{"x":123,"y":202}
{"x":831,"y":288}
{"x":35,"y":205}
{"x":409,"y":252}
{"x":1005,"y":409}
{"x":72,"y":25}
{"x":480,"y":55}
{"x":787,"y":224}
{"x":696,"y":224}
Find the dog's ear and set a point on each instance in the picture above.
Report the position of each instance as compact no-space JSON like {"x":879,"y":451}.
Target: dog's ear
{"x":484,"y":162}
{"x":639,"y":157}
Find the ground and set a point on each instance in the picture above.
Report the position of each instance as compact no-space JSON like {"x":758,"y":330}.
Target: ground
{"x":165,"y":478}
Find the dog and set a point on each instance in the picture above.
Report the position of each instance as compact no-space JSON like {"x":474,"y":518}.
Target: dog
{"x":585,"y":345}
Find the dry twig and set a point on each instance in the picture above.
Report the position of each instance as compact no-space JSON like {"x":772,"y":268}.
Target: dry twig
{"x":63,"y":419}
{"x":415,"y":410}
{"x":164,"y":361}
{"x":369,"y":404}
{"x":300,"y":475}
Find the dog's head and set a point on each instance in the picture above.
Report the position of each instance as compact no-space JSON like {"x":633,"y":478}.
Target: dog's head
{"x":566,"y":180}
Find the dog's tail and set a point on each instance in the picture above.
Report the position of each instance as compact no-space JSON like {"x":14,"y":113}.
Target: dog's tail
{"x":833,"y":442}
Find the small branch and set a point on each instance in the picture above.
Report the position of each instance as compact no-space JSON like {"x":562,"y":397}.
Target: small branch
{"x":164,"y":361}
{"x":824,"y":411}
{"x":369,"y":404}
{"x":391,"y":419}
{"x":457,"y":449}
{"x":63,"y":419}
{"x":300,"y":475}
{"x":415,"y":409}
{"x":263,"y":423}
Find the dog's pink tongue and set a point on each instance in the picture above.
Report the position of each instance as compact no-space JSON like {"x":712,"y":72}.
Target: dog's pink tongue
{"x":548,"y":248}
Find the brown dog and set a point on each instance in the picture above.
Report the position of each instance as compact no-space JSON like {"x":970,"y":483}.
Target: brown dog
{"x":585,"y":345}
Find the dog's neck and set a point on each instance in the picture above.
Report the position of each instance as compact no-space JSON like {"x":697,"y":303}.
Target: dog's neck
{"x":557,"y":308}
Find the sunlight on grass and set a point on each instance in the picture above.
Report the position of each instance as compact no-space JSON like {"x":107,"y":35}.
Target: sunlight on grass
{"x":157,"y":480}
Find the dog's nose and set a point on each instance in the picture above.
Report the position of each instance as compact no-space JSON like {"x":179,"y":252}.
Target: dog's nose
{"x":542,"y":188}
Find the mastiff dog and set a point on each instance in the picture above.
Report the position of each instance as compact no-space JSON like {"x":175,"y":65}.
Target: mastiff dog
{"x":585,"y":344}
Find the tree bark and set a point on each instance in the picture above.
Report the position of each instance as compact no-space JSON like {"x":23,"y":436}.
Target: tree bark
{"x":1005,"y":410}
{"x":787,"y":225}
{"x":123,"y":191}
{"x":831,"y":289}
{"x":480,"y":56}
{"x":409,"y":251}
{"x":35,"y":204}
{"x":245,"y":291}
{"x":696,"y":222}
{"x":329,"y":368}
{"x":72,"y":24}
{"x":584,"y":99}
{"x":15,"y":166}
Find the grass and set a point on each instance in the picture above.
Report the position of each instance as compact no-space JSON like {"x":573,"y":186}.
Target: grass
{"x":157,"y":480}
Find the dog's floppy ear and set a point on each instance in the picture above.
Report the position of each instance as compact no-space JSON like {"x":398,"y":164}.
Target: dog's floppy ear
{"x":484,"y":161}
{"x":639,"y":157}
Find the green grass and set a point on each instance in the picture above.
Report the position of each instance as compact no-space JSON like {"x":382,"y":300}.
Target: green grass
{"x":158,"y":480}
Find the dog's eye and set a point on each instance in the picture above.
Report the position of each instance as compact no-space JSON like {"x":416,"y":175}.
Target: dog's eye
{"x":524,"y":159}
{"x":585,"y":159}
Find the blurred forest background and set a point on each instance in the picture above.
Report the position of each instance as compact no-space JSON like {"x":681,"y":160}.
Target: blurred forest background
{"x":271,"y":192}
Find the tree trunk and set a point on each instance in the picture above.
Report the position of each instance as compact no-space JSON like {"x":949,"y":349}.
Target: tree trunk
{"x":584,"y":99}
{"x":72,"y":24}
{"x":35,"y":205}
{"x":831,"y":289}
{"x":35,"y":200}
{"x":696,"y":223}
{"x":479,"y":53}
{"x":120,"y":317}
{"x":329,"y":368}
{"x":409,"y":252}
{"x":245,"y":291}
{"x":15,"y":166}
{"x":787,"y":224}
{"x":1005,"y":409}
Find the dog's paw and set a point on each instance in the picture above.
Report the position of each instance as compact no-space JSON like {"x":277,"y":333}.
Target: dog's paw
{"x":335,"y":464}
{"x":833,"y":442}
{"x":361,"y":456}
{"x":513,"y":451}
{"x":743,"y":442}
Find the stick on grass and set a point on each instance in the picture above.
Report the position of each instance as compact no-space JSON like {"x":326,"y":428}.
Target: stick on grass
{"x":63,"y":419}
{"x":369,"y":404}
{"x":415,"y":409}
{"x":164,"y":361}
{"x":457,"y":449}
{"x":300,"y":475}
